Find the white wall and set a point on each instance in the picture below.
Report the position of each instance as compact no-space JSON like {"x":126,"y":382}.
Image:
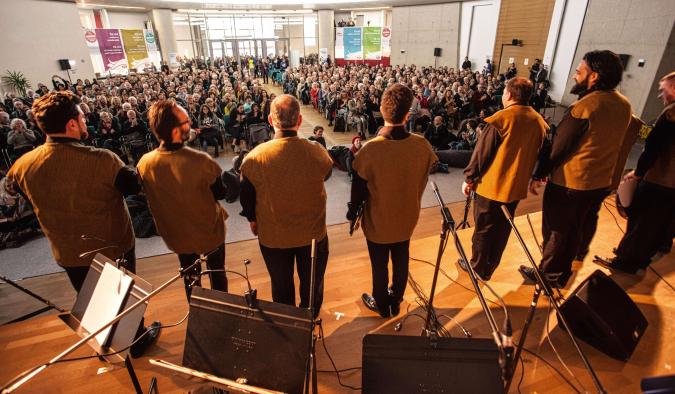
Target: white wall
{"x":37,"y":34}
{"x":478,"y":30}
{"x":127,"y":20}
{"x":566,"y":23}
{"x":417,"y":30}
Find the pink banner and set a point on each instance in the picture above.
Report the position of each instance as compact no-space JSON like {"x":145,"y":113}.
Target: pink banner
{"x":112,"y":50}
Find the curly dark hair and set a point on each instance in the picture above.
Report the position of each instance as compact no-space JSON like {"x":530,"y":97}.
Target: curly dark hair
{"x":396,"y":102}
{"x":54,"y":110}
{"x":608,"y":66}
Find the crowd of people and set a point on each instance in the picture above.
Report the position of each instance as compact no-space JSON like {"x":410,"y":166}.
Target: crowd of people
{"x":449,"y":105}
{"x":216,"y":104}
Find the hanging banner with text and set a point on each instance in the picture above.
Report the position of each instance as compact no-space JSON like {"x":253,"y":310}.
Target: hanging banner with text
{"x":352,"y":43}
{"x":150,"y":41}
{"x":339,"y":42}
{"x":372,"y":43}
{"x":134,"y":47}
{"x":112,"y":50}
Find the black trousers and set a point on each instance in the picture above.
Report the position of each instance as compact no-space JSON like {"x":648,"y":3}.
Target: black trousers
{"x":490,"y":234}
{"x":650,"y":225}
{"x":589,"y":226}
{"x":214,"y":261}
{"x":77,"y":275}
{"x":565,"y":212}
{"x":379,"y":260}
{"x":280,"y":262}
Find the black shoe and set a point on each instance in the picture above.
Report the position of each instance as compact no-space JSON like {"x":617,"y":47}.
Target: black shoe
{"x":148,"y":339}
{"x":614,"y":265}
{"x":553,"y":278}
{"x":394,"y":304}
{"x":463,"y":266}
{"x":370,"y":303}
{"x":581,"y":256}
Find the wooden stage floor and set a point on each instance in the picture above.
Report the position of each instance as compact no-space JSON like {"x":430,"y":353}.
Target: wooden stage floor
{"x":23,"y":345}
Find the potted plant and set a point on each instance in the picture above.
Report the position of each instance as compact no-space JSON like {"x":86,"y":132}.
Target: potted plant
{"x":15,"y":80}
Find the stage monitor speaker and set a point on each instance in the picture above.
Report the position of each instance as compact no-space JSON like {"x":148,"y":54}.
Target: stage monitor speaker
{"x":267,"y":346}
{"x":437,"y":52}
{"x":65,"y":64}
{"x":415,"y":364}
{"x":601,"y":313}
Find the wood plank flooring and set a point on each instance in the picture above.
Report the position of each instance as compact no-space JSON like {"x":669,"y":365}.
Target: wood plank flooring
{"x":348,"y":275}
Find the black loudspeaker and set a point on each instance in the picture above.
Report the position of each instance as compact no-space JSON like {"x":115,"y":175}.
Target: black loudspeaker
{"x":267,"y":346}
{"x":437,"y":52}
{"x":65,"y":64}
{"x":415,"y":364}
{"x":624,"y":60}
{"x":600,"y":313}
{"x":515,"y":42}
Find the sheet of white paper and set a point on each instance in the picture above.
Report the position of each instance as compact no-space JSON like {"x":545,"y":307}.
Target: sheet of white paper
{"x":106,"y":301}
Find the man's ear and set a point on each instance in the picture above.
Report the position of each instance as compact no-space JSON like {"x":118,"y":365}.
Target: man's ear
{"x":299,"y":121}
{"x":72,"y":124}
{"x":406,"y":118}
{"x":593,"y":78}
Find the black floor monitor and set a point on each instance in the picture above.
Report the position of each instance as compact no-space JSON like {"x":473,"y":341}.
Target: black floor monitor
{"x":268,"y":346}
{"x":415,"y":364}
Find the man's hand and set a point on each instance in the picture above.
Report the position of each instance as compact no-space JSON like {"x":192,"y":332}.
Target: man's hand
{"x":254,"y":227}
{"x":631,"y":177}
{"x":535,"y":184}
{"x":467,"y":188}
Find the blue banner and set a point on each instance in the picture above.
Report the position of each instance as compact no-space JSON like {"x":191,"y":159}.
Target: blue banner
{"x":352,"y":43}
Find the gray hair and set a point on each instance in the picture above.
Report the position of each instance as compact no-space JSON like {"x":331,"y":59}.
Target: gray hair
{"x":16,"y":121}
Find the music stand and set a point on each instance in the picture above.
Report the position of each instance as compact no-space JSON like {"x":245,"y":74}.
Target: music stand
{"x":123,"y":333}
{"x":265,"y":346}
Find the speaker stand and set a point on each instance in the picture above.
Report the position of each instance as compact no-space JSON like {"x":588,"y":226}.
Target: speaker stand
{"x":542,"y":285}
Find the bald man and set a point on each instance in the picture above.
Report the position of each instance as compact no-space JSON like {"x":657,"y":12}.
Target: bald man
{"x":284,"y":199}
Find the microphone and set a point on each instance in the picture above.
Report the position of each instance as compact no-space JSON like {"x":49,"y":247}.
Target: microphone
{"x":447,"y":216}
{"x":251,"y":295}
{"x":507,"y":346}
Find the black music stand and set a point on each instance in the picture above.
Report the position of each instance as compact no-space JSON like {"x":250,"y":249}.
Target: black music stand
{"x":265,"y":347}
{"x":124,"y":332}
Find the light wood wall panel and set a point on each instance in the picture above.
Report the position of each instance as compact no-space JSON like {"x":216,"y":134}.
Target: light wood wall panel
{"x":528,"y":21}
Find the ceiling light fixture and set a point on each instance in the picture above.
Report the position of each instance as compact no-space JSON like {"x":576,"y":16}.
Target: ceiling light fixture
{"x":366,"y":9}
{"x":216,"y":3}
{"x":92,"y":5}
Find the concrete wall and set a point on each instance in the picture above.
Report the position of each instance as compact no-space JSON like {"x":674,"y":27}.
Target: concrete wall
{"x":417,"y":30}
{"x":37,"y":34}
{"x":639,"y":28}
{"x":654,"y":105}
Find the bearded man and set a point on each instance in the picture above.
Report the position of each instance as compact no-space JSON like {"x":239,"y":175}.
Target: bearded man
{"x":183,"y":187}
{"x":581,"y":162}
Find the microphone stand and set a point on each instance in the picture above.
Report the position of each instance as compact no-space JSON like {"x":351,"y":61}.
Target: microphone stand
{"x":13,"y":385}
{"x":448,"y":224}
{"x":48,"y":304}
{"x":310,"y":370}
{"x":542,"y":285}
{"x":503,"y":342}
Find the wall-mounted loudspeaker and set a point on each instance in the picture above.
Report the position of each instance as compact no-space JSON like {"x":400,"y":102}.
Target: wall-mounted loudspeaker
{"x":65,"y":64}
{"x":624,"y":60}
{"x":437,"y":52}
